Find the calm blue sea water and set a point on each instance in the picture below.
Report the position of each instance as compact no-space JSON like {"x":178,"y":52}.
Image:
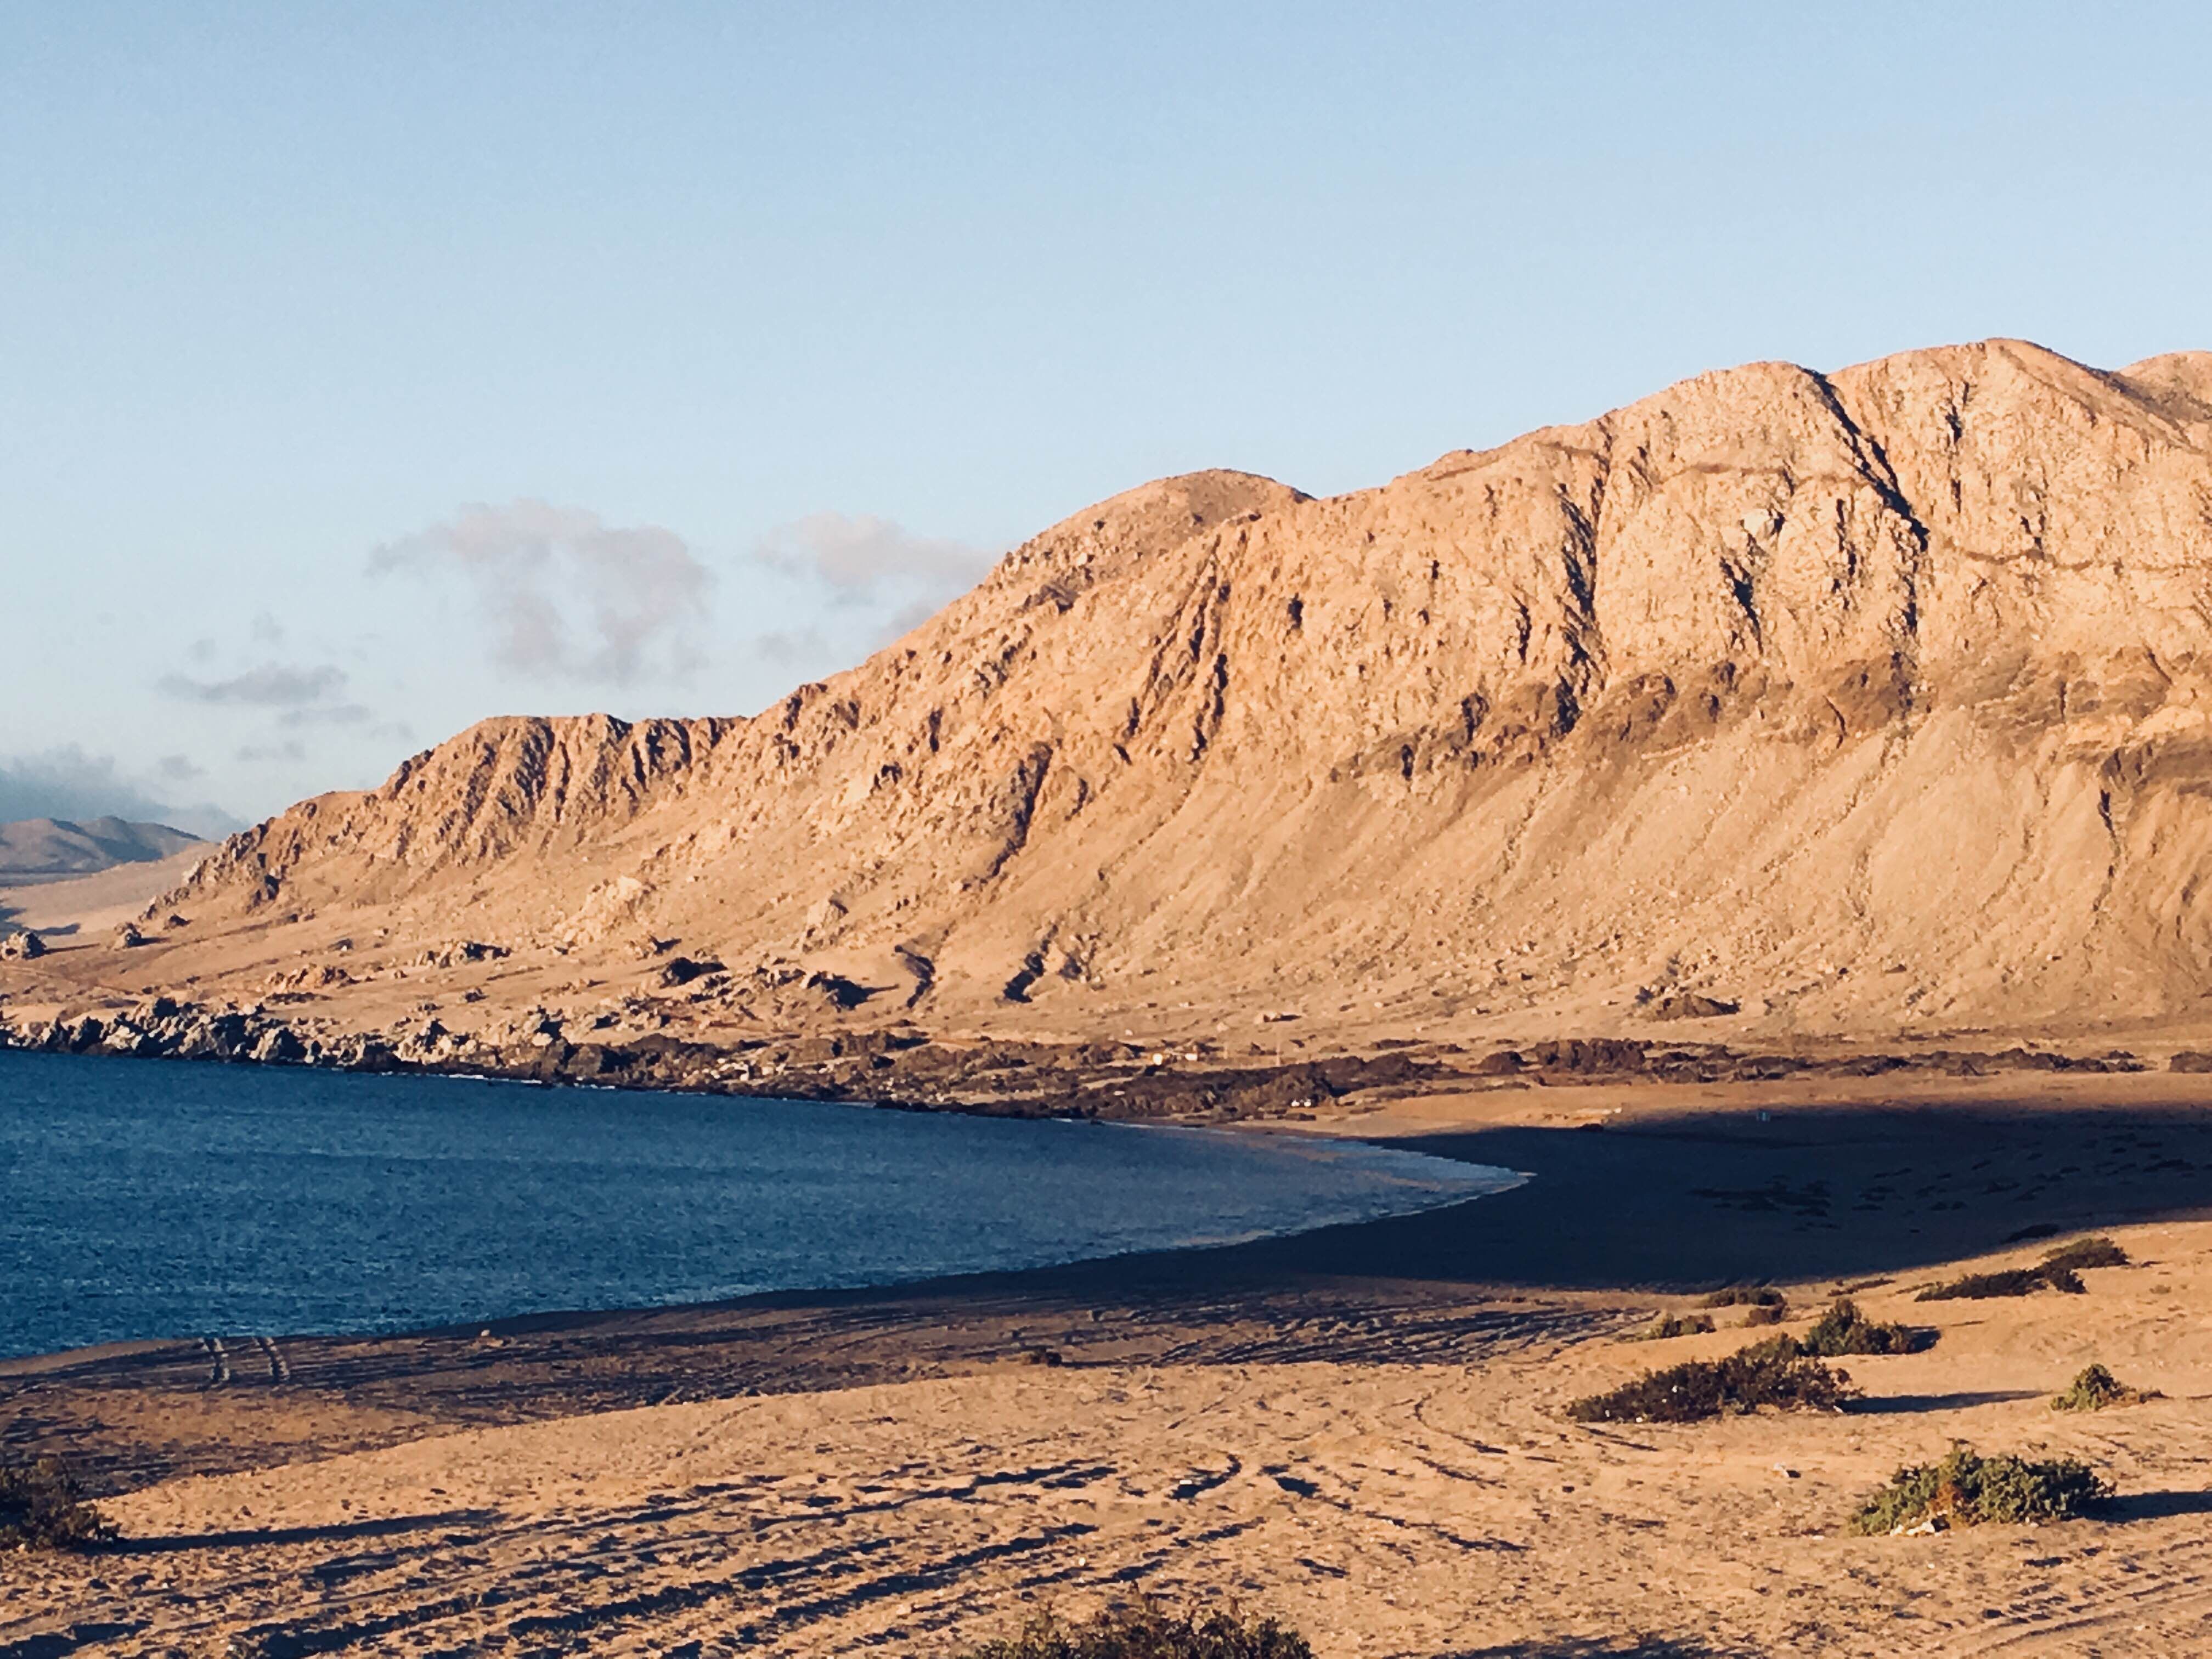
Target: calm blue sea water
{"x":149,"y":1199}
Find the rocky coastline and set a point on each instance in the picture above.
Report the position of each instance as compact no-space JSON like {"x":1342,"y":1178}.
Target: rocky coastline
{"x":907,"y":1068}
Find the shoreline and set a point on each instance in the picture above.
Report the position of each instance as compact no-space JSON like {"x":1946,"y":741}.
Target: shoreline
{"x":1614,"y":1157}
{"x":1374,"y":1179}
{"x":902,"y":1067}
{"x":1629,"y":1203}
{"x":1361,"y":1427}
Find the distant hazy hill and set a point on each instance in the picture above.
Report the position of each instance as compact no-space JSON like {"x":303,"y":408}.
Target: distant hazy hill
{"x":47,"y":849}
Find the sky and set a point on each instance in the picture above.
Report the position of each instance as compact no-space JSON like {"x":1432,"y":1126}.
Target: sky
{"x":367,"y":371}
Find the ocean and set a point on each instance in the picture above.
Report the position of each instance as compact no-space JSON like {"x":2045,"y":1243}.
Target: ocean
{"x":149,"y":1199}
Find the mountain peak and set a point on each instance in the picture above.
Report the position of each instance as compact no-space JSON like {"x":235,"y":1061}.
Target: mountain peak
{"x":1861,"y":699}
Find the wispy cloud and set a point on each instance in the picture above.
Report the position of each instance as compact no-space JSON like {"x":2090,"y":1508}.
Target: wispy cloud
{"x":563,"y":593}
{"x":273,"y":685}
{"x":793,"y":647}
{"x":860,"y":554}
{"x":338,"y":713}
{"x":290,"y":752}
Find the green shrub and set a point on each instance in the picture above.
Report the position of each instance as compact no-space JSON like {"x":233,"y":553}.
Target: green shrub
{"x":2013,"y":1281}
{"x":1146,"y":1630}
{"x":1770,"y":1373}
{"x":2095,"y":1389}
{"x":1668,"y":1325}
{"x":2059,"y":1270}
{"x":1844,"y":1329}
{"x":1965,"y":1490}
{"x":2099,"y":1252}
{"x":1766,"y":1313}
{"x":39,"y":1509}
{"x":1742,"y":1296}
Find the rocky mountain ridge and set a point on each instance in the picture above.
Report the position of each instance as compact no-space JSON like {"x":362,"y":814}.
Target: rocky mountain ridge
{"x":1832,"y":706}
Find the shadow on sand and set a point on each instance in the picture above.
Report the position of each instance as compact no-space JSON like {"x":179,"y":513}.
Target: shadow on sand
{"x":1642,"y":1647}
{"x":1882,"y":1405}
{"x":254,"y":1538}
{"x":1721,"y":1198}
{"x":2155,"y":1505}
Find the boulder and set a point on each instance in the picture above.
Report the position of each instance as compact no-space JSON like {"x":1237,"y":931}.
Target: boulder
{"x":279,"y":1046}
{"x":682,"y":970}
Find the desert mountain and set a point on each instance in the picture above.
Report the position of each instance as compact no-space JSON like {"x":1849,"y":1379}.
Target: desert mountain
{"x":1871,"y":702}
{"x":52,"y":849}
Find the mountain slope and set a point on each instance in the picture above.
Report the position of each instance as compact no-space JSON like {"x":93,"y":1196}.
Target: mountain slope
{"x":53,"y":848}
{"x":1863,"y":701}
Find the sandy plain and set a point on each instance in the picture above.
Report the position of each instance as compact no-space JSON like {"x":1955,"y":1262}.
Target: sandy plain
{"x":1359,"y":1428}
{"x":79,"y":907}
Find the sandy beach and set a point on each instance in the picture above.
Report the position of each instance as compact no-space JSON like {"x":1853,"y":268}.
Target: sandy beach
{"x":1359,"y":1428}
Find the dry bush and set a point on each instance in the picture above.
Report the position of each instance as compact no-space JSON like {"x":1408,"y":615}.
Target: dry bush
{"x":1965,"y":1490}
{"x":2059,"y":1270}
{"x":2013,"y":1281}
{"x":1844,"y":1329}
{"x":1145,"y":1630}
{"x":2095,"y":1389}
{"x":1770,"y":1373}
{"x":1744,"y":1296}
{"x":2099,"y":1252}
{"x":1668,"y":1325}
{"x":39,"y":1509}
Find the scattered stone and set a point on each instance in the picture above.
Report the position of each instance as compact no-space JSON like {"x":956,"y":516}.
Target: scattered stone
{"x":459,"y":953}
{"x":682,"y":970}
{"x":840,"y":992}
{"x":1689,"y":1004}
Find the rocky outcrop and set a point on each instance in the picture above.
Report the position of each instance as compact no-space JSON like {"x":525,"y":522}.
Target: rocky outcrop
{"x":1852,"y":703}
{"x":905,"y":1067}
{"x":506,"y":791}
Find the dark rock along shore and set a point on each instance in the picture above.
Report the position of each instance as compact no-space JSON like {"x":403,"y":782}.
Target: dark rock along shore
{"x":906,"y":1068}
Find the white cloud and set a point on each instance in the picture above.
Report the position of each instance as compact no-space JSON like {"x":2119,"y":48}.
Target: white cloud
{"x":860,"y":555}
{"x":563,"y":593}
{"x":272,"y":685}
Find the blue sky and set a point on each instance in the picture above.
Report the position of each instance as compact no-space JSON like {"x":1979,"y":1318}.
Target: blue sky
{"x":366,"y":371}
